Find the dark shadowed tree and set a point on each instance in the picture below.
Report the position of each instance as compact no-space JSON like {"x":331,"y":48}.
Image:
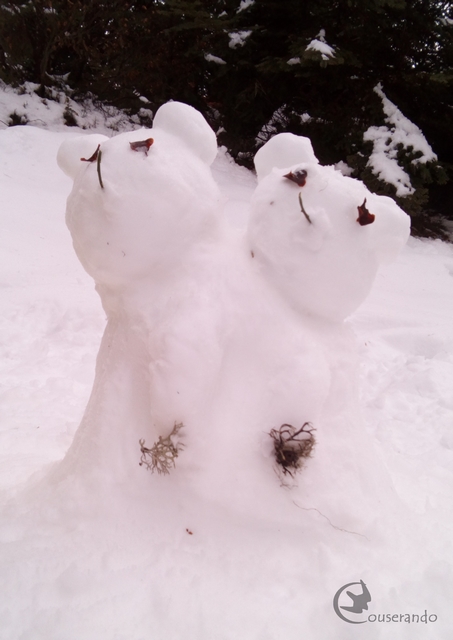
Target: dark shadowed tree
{"x":257,"y":67}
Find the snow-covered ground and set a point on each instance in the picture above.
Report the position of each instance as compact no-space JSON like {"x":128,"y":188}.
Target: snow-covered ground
{"x":244,"y":558}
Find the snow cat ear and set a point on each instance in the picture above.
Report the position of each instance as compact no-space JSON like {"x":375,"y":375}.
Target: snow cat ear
{"x":187,"y":124}
{"x":282,"y":151}
{"x":73,"y":150}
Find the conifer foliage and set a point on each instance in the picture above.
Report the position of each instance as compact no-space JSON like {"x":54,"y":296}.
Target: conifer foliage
{"x":327,"y":69}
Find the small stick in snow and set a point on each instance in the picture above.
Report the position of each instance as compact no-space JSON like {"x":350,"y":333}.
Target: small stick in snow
{"x":99,"y":168}
{"x":97,"y":155}
{"x":142,"y":145}
{"x":365,"y":217}
{"x":300,"y":178}
{"x":303,"y":210}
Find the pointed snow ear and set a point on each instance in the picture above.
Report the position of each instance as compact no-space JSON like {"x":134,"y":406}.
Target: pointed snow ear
{"x":282,"y":151}
{"x":189,"y":125}
{"x":71,"y":152}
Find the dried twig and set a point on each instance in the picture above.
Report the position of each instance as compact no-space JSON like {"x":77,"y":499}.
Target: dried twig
{"x":291,"y":446}
{"x":96,"y":157}
{"x":162,"y":455}
{"x":302,"y":208}
{"x":99,"y":168}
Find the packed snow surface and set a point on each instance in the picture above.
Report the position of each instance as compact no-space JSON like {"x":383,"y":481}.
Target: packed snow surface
{"x":208,"y":328}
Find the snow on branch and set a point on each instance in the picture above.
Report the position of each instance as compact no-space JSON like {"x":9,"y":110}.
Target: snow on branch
{"x":238,"y":38}
{"x":210,"y":58}
{"x":245,"y":4}
{"x":320,"y":44}
{"x":388,"y":139}
{"x":278,"y":121}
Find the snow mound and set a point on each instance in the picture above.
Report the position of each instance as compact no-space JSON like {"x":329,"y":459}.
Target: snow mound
{"x":188,"y":125}
{"x":74,"y":150}
{"x":283,"y":150}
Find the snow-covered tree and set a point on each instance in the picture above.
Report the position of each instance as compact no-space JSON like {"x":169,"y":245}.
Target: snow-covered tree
{"x":323,"y":69}
{"x":258,"y":67}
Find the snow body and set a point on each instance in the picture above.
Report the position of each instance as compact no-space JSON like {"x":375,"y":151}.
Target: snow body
{"x":147,"y":236}
{"x":307,"y":243}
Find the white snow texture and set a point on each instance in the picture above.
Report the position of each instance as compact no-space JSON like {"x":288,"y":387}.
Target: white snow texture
{"x":228,"y":319}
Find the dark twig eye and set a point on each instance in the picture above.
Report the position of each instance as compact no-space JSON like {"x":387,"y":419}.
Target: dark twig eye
{"x":365,"y":217}
{"x":92,"y":158}
{"x":96,"y":157}
{"x":142,"y":145}
{"x":299,"y":177}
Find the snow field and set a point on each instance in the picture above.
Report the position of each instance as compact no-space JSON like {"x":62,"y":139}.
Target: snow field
{"x":99,"y":548}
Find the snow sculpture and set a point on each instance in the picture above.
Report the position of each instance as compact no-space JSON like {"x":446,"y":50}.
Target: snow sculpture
{"x":320,"y":236}
{"x":144,"y":218}
{"x":230,"y":334}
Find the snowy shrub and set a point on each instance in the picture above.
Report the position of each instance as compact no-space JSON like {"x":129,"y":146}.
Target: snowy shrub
{"x":292,"y":446}
{"x":69,"y":115}
{"x":16,"y":119}
{"x":162,"y":455}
